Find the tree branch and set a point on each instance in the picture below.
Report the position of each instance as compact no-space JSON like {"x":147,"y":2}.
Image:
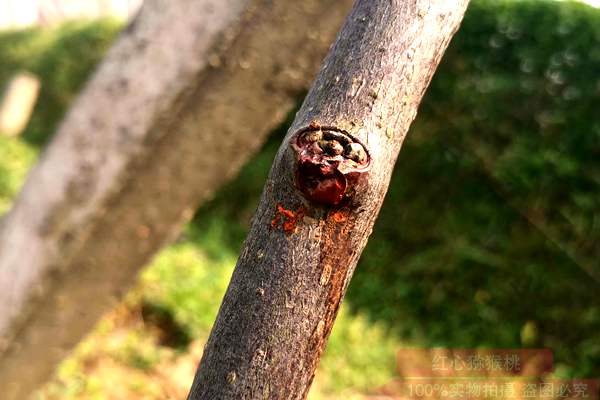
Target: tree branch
{"x":321,"y":199}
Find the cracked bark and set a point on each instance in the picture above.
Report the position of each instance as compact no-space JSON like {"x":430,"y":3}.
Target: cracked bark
{"x":189,"y":83}
{"x":304,"y":241}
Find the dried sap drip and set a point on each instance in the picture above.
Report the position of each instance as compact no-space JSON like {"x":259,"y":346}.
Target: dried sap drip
{"x":288,"y":218}
{"x":329,"y":164}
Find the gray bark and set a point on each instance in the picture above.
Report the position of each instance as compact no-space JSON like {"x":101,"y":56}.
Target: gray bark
{"x":188,"y":92}
{"x":304,"y":241}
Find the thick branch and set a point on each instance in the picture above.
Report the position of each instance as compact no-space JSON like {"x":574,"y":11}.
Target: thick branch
{"x":188,"y":92}
{"x":319,"y":204}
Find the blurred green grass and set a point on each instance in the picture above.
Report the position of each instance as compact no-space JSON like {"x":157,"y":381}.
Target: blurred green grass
{"x":507,"y":135}
{"x":15,"y":159}
{"x":63,"y":58}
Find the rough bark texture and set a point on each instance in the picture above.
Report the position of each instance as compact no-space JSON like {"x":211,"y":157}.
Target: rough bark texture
{"x":188,"y":92}
{"x":299,"y":256}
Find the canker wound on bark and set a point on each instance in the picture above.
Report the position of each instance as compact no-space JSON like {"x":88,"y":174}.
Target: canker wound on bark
{"x":330,"y":164}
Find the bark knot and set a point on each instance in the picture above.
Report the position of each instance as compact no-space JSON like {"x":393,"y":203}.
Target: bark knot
{"x":329,"y":163}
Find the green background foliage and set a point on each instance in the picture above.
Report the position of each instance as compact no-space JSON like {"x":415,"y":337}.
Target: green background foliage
{"x":63,"y":58}
{"x":489,"y":233}
{"x":507,"y":135}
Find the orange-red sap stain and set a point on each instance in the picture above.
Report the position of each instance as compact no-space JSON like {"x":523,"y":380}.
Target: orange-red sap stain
{"x":288,"y":218}
{"x":339,"y":216}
